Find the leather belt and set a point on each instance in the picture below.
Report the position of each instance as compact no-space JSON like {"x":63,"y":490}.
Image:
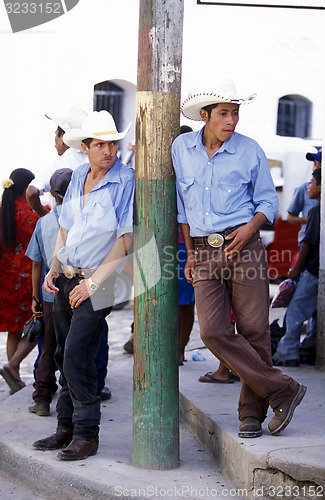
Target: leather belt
{"x":76,"y":272}
{"x":215,"y":240}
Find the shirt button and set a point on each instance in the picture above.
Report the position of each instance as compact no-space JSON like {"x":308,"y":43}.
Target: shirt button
{"x":207,"y":189}
{"x":209,"y":162}
{"x":206,"y":213}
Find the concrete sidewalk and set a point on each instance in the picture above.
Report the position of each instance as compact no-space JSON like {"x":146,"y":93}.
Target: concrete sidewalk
{"x":214,"y":461}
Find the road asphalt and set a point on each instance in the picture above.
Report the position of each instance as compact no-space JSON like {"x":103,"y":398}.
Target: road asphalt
{"x":214,"y":461}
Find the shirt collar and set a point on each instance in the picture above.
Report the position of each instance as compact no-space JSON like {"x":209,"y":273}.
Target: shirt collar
{"x":196,"y":140}
{"x":112,"y":176}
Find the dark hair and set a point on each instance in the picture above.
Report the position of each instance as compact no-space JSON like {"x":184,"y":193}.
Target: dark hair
{"x":87,"y":141}
{"x":21,"y":178}
{"x":60,"y":131}
{"x":185,"y":128}
{"x":318,"y":176}
{"x":210,"y":107}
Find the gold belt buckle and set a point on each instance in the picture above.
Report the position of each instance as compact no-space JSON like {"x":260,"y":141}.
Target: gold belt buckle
{"x":68,"y":271}
{"x":215,"y":240}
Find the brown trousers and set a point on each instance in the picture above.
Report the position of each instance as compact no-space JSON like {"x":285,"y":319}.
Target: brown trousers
{"x":242,"y":284}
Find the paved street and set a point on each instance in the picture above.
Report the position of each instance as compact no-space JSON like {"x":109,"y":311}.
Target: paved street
{"x":120,"y":328}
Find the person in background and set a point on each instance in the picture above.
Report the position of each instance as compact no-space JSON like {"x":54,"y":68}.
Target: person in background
{"x":301,"y":203}
{"x":304,"y":301}
{"x":297,"y":215}
{"x":95,"y":236}
{"x":186,"y":303}
{"x":225,"y":193}
{"x":17,"y":223}
{"x":67,"y":157}
{"x":41,"y":250}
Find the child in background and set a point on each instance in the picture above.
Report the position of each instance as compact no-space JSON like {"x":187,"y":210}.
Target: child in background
{"x":41,"y":250}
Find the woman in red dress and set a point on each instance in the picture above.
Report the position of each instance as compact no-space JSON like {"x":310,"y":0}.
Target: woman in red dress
{"x":17,"y":223}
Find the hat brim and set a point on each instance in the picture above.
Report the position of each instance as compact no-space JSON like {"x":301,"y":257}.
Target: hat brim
{"x":55,"y":118}
{"x":74,"y":137}
{"x":192,"y":105}
{"x":314,"y":156}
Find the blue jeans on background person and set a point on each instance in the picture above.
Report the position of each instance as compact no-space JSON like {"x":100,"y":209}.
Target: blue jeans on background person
{"x":79,"y":334}
{"x":303,"y":306}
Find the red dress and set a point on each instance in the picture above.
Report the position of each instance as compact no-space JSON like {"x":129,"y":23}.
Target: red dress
{"x":16,"y":272}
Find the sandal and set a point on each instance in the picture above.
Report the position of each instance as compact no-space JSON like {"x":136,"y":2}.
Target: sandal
{"x":15,"y":384}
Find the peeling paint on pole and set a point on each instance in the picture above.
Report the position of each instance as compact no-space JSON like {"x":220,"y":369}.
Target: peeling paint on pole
{"x":156,"y":393}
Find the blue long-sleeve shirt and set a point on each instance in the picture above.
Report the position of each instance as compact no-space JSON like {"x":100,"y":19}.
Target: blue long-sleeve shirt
{"x":225,"y":190}
{"x":94,"y":226}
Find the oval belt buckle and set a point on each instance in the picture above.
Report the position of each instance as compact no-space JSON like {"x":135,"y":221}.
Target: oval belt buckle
{"x":68,"y":271}
{"x":215,"y":240}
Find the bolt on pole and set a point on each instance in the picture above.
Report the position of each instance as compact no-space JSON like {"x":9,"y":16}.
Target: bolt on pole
{"x":156,"y":391}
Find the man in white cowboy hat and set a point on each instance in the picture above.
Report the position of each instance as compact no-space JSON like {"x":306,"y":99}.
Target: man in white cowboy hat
{"x":71,"y":158}
{"x":225,"y":193}
{"x":67,"y":157}
{"x":95,"y":236}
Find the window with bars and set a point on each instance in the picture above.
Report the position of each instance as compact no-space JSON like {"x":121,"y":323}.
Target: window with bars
{"x":294,"y":116}
{"x":109,"y":96}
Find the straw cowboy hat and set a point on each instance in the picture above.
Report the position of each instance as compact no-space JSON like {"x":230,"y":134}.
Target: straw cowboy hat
{"x":225,"y":91}
{"x":72,"y":118}
{"x":98,"y":125}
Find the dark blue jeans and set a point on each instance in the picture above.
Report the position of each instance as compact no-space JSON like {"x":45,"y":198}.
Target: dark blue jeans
{"x":45,"y":384}
{"x":78,"y":333}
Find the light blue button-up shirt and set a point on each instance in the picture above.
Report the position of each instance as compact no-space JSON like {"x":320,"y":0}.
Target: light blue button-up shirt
{"x":94,"y":227}
{"x":223,"y":191}
{"x":42,"y":243}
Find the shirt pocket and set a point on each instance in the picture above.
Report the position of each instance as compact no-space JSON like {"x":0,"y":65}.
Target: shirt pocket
{"x":228,"y":197}
{"x":186,"y":186}
{"x":104,"y":218}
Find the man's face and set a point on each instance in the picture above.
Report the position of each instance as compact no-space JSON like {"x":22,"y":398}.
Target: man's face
{"x":101,"y":154}
{"x":313,"y":189}
{"x":223,"y":120}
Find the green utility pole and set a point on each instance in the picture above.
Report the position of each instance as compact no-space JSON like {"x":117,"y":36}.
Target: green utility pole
{"x":156,"y":393}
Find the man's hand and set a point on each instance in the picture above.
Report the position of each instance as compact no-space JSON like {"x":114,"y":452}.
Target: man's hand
{"x":49,"y":280}
{"x":293,"y":273}
{"x":189,"y":267}
{"x":79,"y":294}
{"x":240,"y":237}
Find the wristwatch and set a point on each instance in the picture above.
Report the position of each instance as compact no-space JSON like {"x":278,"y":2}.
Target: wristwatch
{"x":92,"y":285}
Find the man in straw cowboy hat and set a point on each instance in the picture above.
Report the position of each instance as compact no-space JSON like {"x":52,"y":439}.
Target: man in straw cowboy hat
{"x":94,"y":237}
{"x":225,"y":193}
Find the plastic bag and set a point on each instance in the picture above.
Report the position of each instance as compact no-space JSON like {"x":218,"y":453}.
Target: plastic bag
{"x":33,"y":329}
{"x":284,"y":294}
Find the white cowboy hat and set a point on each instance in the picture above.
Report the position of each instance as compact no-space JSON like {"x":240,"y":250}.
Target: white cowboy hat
{"x":98,"y":125}
{"x":72,"y":118}
{"x":225,"y":91}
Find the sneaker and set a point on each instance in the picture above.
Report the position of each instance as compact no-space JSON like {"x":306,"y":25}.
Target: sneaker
{"x":105,"y":394}
{"x":284,"y":412}
{"x":40,"y":409}
{"x":250,"y":427}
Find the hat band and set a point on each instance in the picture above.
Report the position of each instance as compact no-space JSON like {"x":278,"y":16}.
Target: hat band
{"x":105,"y":133}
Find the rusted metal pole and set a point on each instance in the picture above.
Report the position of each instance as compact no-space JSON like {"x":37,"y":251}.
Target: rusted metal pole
{"x":156,"y":393}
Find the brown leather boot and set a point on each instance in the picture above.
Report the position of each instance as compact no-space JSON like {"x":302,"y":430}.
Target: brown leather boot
{"x":61,"y":438}
{"x":250,"y":427}
{"x":79,"y":449}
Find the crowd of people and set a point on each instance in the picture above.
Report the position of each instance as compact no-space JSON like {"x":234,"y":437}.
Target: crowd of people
{"x":59,"y":263}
